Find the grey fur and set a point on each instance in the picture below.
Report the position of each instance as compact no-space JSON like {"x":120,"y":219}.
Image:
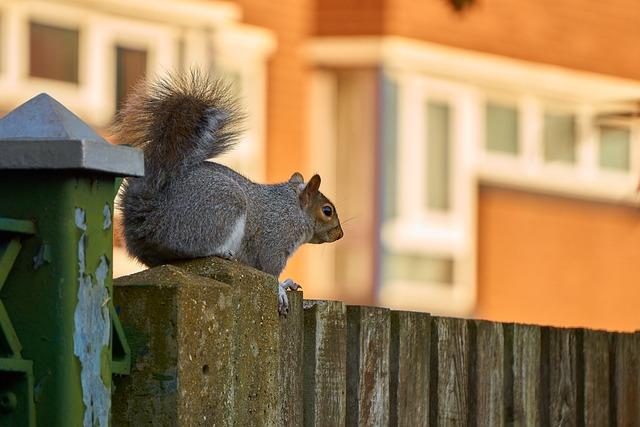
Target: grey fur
{"x":195,"y":213}
{"x":186,"y":207}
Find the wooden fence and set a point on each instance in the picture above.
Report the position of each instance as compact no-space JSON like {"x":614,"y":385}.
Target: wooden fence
{"x":209,"y":349}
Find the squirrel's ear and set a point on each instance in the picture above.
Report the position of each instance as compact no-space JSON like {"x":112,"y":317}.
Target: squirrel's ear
{"x":296,"y":178}
{"x":310,"y":190}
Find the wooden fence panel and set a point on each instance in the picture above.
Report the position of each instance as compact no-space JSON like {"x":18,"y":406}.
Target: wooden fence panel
{"x":409,"y":369}
{"x":368,"y":334}
{"x":597,"y":406}
{"x":291,"y":362}
{"x":627,"y":379}
{"x":325,"y":349}
{"x":565,"y":388}
{"x":450,"y":372}
{"x":490,"y":375}
{"x":526,"y":365}
{"x":327,"y":364}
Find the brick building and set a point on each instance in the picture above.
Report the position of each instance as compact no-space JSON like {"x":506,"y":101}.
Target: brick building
{"x":483,"y":158}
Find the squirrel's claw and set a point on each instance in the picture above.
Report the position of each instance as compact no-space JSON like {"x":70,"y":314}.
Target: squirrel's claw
{"x":283,"y":300}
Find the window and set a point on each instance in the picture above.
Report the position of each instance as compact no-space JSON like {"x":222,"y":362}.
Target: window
{"x":131,"y":66}
{"x":53,"y":52}
{"x":418,"y":268}
{"x":559,"y":138}
{"x":615,"y":145}
{"x":501,"y":129}
{"x":438,"y":156}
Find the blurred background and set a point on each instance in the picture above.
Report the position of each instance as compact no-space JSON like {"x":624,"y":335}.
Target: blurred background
{"x":483,"y":154}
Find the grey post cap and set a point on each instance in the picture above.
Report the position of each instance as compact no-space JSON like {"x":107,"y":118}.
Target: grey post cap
{"x":44,"y":134}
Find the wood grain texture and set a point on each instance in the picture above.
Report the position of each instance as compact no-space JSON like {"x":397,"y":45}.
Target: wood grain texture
{"x":597,"y":406}
{"x":627,"y":379}
{"x":291,"y":362}
{"x":490,"y":374}
{"x":450,"y":396}
{"x":325,"y":349}
{"x":409,"y":369}
{"x":526,"y":366}
{"x":368,"y":334}
{"x":564,"y":386}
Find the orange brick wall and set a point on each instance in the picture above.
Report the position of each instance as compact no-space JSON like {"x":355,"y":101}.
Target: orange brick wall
{"x":591,"y":35}
{"x":349,"y":17}
{"x":287,"y":85}
{"x":557,"y":261}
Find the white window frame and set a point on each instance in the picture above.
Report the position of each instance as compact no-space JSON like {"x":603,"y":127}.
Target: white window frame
{"x":582,"y":179}
{"x":416,"y":228}
{"x":533,"y":87}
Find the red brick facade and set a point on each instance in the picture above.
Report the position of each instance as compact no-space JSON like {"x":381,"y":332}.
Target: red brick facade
{"x":588,"y":35}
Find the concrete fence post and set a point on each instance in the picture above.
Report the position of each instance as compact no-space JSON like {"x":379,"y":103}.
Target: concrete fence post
{"x":179,"y":327}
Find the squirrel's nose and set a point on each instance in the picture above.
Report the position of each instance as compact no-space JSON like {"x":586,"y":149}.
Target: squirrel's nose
{"x":340,"y":234}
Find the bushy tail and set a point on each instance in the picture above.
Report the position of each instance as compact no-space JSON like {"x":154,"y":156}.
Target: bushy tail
{"x":179,"y":120}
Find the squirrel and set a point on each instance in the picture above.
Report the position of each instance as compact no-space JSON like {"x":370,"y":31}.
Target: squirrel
{"x":188,"y":207}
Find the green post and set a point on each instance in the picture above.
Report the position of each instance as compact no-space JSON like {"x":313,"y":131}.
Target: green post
{"x":60,"y":339}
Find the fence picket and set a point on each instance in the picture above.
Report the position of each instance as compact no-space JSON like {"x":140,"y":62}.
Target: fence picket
{"x":597,"y":406}
{"x":325,"y":350}
{"x":451,"y":375}
{"x":409,"y":369}
{"x":368,"y":333}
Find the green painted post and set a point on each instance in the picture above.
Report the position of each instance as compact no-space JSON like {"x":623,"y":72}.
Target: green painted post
{"x":57,"y":323}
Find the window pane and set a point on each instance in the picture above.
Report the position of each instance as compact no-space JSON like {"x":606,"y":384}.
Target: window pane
{"x":131,"y":66}
{"x":53,"y":52}
{"x":559,"y":138}
{"x":502,"y":129}
{"x":615,"y":145}
{"x":438,"y":156}
{"x":418,"y":267}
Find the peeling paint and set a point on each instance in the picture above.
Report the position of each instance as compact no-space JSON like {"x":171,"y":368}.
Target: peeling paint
{"x":92,"y":332}
{"x":43,"y":256}
{"x":106,"y":212}
{"x":80,"y":219}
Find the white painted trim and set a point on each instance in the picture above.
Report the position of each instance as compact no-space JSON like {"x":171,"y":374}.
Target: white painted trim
{"x":418,"y":229}
{"x":470,"y":66}
{"x":184,"y":12}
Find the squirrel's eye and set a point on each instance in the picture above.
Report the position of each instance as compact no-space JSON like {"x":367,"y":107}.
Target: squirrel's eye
{"x":327,"y":211}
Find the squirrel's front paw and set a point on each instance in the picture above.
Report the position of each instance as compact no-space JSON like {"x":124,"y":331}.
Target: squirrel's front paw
{"x":283,"y":300}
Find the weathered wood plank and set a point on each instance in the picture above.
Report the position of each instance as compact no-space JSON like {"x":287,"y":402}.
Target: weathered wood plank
{"x":325,"y":349}
{"x":450,"y":372}
{"x":596,"y":349}
{"x":409,"y":369}
{"x":490,"y":374}
{"x":291,"y":362}
{"x":564,"y":386}
{"x":368,"y":333}
{"x":627,"y":379}
{"x":526,"y":365}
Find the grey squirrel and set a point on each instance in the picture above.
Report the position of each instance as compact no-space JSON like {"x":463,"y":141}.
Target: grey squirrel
{"x":187,"y":207}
